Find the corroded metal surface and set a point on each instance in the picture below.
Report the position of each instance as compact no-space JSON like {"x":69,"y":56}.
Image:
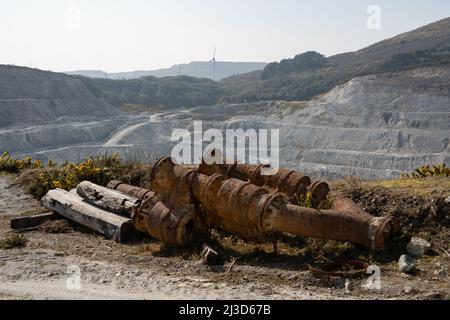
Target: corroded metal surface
{"x":135,"y":192}
{"x":319,"y":191}
{"x":253,"y":212}
{"x":171,"y":226}
{"x":289,"y":182}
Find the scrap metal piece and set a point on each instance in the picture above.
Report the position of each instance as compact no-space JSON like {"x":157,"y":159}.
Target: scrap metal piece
{"x":135,"y":192}
{"x":171,"y":226}
{"x":253,"y":213}
{"x":162,"y":222}
{"x":289,"y":182}
{"x":209,"y":256}
{"x":319,"y":191}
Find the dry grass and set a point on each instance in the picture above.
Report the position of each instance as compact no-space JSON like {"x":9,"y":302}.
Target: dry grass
{"x":14,"y":241}
{"x":421,"y":187}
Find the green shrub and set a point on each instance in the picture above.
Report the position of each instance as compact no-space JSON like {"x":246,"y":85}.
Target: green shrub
{"x":97,"y":169}
{"x":14,"y":241}
{"x":12,"y":165}
{"x":440,"y":170}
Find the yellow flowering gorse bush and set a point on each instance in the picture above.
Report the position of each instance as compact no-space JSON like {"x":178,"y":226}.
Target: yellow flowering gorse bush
{"x":12,"y":165}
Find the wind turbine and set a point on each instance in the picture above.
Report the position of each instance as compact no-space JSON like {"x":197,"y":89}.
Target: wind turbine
{"x":213,"y":60}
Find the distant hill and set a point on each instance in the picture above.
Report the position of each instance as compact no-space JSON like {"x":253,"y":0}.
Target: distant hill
{"x":169,"y":92}
{"x":34,"y":96}
{"x":196,"y":69}
{"x":292,"y":79}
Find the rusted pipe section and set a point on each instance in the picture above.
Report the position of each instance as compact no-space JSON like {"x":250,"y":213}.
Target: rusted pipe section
{"x":352,"y":226}
{"x":135,"y":192}
{"x":289,"y":182}
{"x":171,"y":226}
{"x":253,"y":213}
{"x":162,"y":222}
{"x":319,"y":192}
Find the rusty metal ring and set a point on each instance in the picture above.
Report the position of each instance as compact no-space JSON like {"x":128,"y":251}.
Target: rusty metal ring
{"x":262,"y":209}
{"x":300,"y":182}
{"x":377,"y":238}
{"x":234,"y":195}
{"x":257,"y":170}
{"x":114,"y":184}
{"x":208,"y":184}
{"x":187,"y":173}
{"x":164,"y":216}
{"x":283,"y":178}
{"x":230,"y":169}
{"x":156,"y":165}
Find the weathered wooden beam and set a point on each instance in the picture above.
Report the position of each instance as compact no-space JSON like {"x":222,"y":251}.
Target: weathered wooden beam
{"x":75,"y":208}
{"x":108,"y":199}
{"x":34,"y":221}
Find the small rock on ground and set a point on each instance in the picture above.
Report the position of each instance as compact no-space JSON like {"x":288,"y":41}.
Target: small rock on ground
{"x":406,"y":264}
{"x":418,"y":247}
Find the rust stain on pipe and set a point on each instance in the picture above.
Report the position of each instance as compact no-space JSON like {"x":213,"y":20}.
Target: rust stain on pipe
{"x":253,"y":212}
{"x":289,"y":182}
{"x":135,"y":192}
{"x":171,"y":226}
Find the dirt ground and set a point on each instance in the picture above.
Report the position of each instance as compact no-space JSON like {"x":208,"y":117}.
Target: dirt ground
{"x":44,"y":268}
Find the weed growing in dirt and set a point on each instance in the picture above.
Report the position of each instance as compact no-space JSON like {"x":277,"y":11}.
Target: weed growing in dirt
{"x":11,"y":165}
{"x":306,"y":201}
{"x":440,"y":170}
{"x":14,"y":241}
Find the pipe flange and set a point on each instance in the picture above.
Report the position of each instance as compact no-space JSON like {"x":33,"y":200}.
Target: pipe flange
{"x":208,"y":183}
{"x":378,"y":240}
{"x":233,"y":198}
{"x":257,"y":171}
{"x":283,"y":179}
{"x":263,"y":207}
{"x":156,"y":165}
{"x":231,"y":169}
{"x":114,"y":184}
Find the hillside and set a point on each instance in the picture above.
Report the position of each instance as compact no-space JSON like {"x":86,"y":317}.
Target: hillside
{"x":379,"y":125}
{"x":35,"y":96}
{"x":169,"y":92}
{"x":424,"y":47}
{"x":198,"y":69}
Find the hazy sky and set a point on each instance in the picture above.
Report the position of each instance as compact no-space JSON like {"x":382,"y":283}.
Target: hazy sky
{"x":126,"y":35}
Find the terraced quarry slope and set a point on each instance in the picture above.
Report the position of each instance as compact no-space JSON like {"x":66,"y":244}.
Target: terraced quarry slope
{"x":33,"y":96}
{"x":375,"y":126}
{"x":372,"y":127}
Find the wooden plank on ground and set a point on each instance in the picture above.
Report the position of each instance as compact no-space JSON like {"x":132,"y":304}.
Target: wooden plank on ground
{"x":75,"y":208}
{"x":34,"y":221}
{"x":108,"y":199}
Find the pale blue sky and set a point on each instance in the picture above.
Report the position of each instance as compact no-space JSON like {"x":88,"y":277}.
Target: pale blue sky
{"x":126,"y":35}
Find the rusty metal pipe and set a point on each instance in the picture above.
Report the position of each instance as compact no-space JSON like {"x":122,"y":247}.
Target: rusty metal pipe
{"x":135,"y":192}
{"x":171,"y":226}
{"x":289,"y":182}
{"x":253,"y":213}
{"x":354,"y":227}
